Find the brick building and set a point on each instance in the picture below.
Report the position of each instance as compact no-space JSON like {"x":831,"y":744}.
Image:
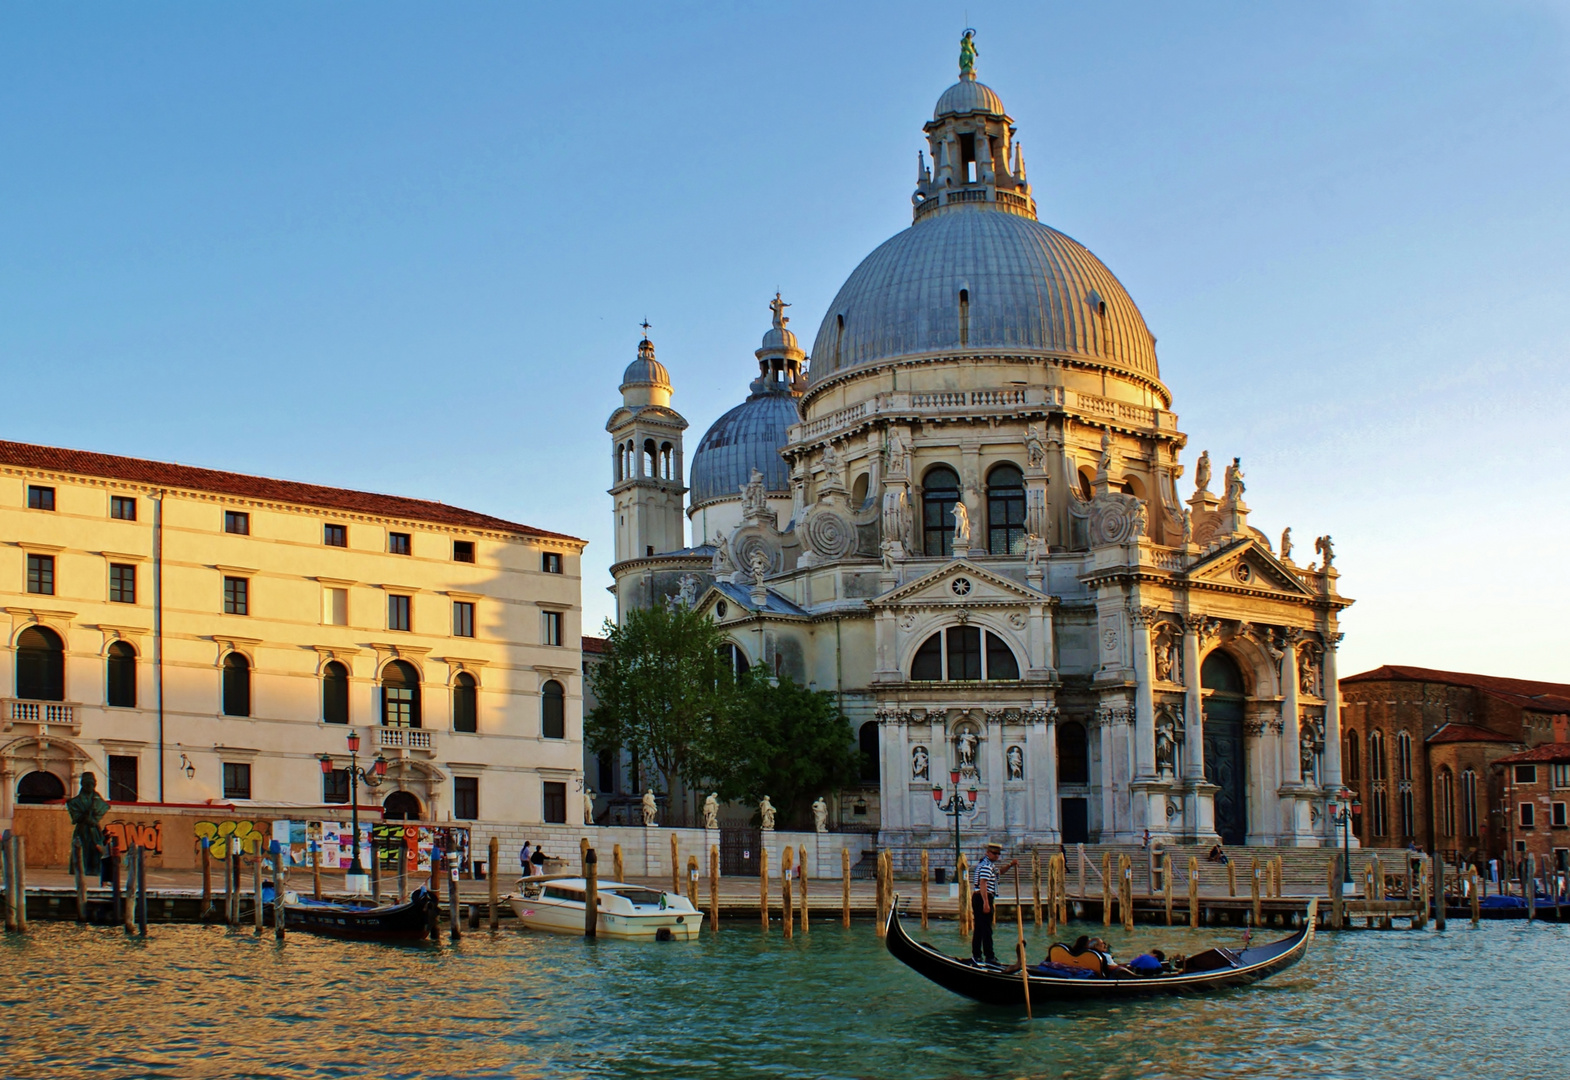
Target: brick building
{"x":1421,"y":747}
{"x":1535,"y":788}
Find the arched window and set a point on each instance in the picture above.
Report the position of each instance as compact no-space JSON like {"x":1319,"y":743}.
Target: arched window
{"x":39,"y":787}
{"x":465,"y":703}
{"x":400,"y":695}
{"x":121,"y":682}
{"x":1073,"y":754}
{"x":1379,"y":796}
{"x":940,"y":491}
{"x":963,"y":653}
{"x":1350,"y":755}
{"x":839,"y":332}
{"x":237,"y":685}
{"x":732,"y":656}
{"x":1469,"y":804}
{"x":335,"y":693}
{"x":1404,"y":800}
{"x":621,"y":462}
{"x":553,"y":710}
{"x":1447,"y":802}
{"x":40,"y":665}
{"x":1006,"y":510}
{"x":649,"y":465}
{"x":1403,"y":756}
{"x":1086,"y":482}
{"x":964,"y":318}
{"x":667,"y":458}
{"x":867,"y":738}
{"x":401,"y":806}
{"x":858,"y":490}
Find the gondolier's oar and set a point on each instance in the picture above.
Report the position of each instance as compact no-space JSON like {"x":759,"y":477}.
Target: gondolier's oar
{"x":1019,"y":919}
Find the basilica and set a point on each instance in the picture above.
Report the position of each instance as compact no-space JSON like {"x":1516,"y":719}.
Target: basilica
{"x":964,"y":515}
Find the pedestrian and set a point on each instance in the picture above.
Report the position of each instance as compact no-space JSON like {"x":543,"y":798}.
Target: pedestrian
{"x":538,"y":859}
{"x":1144,"y":843}
{"x":982,"y":901}
{"x":524,"y":858}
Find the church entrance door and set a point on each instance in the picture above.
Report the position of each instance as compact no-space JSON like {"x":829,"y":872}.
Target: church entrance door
{"x":1225,"y":763}
{"x":1076,"y":821}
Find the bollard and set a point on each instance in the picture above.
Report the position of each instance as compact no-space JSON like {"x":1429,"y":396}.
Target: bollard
{"x":494,"y":899}
{"x":237,"y":858}
{"x":1333,"y":890}
{"x":926,"y":872}
{"x":692,"y":881}
{"x":454,"y":928}
{"x":714,"y":888}
{"x":962,"y":875}
{"x":1439,"y":891}
{"x":1081,"y":849}
{"x":1035,"y":884}
{"x":801,"y":874}
{"x":256,"y":882}
{"x":616,"y":867}
{"x":1106,"y":887}
{"x":845,"y":885}
{"x":316,"y":869}
{"x":591,"y":892}
{"x":787,"y":902}
{"x":1166,"y":885}
{"x":1253,"y":888}
{"x":763,"y":886}
{"x":675,"y":865}
{"x":207,"y":878}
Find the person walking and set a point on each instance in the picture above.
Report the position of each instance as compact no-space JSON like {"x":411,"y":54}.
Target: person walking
{"x":524,"y":857}
{"x":984,"y":895}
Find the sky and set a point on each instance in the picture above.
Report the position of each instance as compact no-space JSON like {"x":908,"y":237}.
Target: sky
{"x":405,"y":248}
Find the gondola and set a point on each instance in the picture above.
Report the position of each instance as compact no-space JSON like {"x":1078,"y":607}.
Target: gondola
{"x":409,"y":921}
{"x":1222,"y":969}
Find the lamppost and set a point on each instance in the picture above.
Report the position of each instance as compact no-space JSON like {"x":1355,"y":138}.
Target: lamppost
{"x":954,"y":808}
{"x":356,"y":878}
{"x":1342,"y":806}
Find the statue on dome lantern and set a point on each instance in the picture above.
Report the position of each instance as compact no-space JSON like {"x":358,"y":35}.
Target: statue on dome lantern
{"x":967,"y":55}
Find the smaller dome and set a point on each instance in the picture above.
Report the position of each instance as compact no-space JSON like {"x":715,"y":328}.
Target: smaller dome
{"x":968,"y":96}
{"x":779,"y":339}
{"x":645,"y":371}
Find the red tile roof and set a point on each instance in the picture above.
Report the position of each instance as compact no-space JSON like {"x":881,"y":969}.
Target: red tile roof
{"x":1454,"y":733}
{"x":593,"y":644}
{"x":164,"y":474}
{"x":1547,"y":752}
{"x":1524,"y":693}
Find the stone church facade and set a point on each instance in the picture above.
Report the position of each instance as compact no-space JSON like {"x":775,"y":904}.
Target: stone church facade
{"x":963,"y":516}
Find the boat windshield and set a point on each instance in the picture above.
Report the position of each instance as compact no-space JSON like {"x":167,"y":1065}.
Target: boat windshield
{"x":556,"y":892}
{"x":645,"y":897}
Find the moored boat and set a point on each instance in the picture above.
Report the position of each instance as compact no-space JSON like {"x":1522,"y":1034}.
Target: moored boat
{"x":1213,"y":969}
{"x":635,"y":912}
{"x":408,"y":921}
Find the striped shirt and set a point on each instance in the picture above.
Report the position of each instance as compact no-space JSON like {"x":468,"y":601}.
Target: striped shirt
{"x":986,"y":872}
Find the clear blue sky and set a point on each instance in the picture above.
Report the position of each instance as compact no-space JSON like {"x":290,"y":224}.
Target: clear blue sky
{"x":404,"y":247}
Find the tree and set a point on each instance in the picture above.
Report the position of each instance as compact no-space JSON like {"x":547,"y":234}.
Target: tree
{"x":660,"y":687}
{"x":785,"y":741}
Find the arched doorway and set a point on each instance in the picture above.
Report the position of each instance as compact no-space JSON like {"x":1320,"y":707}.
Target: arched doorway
{"x":40,"y":665}
{"x":39,"y":787}
{"x":401,"y":806}
{"x":1225,"y":761}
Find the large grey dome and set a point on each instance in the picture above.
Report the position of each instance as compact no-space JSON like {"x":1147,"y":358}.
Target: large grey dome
{"x":748,"y":437}
{"x":1027,"y":289}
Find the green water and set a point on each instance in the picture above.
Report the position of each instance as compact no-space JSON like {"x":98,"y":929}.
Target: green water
{"x":203,"y":1001}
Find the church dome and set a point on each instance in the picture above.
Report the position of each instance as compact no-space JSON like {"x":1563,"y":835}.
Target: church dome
{"x":645,"y":370}
{"x":1017,"y":286}
{"x":968,"y":96}
{"x":748,"y":437}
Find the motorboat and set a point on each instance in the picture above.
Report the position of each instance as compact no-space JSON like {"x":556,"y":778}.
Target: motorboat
{"x":411,"y":920}
{"x":633,"y":912}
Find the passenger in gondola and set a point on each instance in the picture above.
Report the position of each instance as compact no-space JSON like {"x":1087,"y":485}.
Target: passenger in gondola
{"x":1110,"y":968}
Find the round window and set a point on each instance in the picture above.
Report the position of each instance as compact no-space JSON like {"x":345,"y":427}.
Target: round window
{"x":1243,"y":572}
{"x":721,"y":608}
{"x":960,"y":586}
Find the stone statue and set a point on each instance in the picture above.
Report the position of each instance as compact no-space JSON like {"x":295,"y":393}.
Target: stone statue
{"x":1138,"y":519}
{"x":1322,"y":546}
{"x":1202,"y":473}
{"x":1166,"y":659}
{"x":766,"y":812}
{"x":1035,"y":447}
{"x":1234,"y":481}
{"x":1188,"y":527}
{"x":967,"y":55}
{"x":961,"y":526}
{"x":1308,"y":749}
{"x":898,"y":466}
{"x":919,"y":763}
{"x":1016,"y":763}
{"x":1104,"y":465}
{"x":887,"y":548}
{"x":649,"y":809}
{"x":965,"y":750}
{"x":754,"y":502}
{"x":1033,"y":550}
{"x":760,"y":564}
{"x":1286,"y":543}
{"x":1307,"y":673}
{"x":1166,"y":747}
{"x":778,"y":306}
{"x":87,"y":809}
{"x":689,"y":590}
{"x":820,"y":815}
{"x":833,"y":469}
{"x":588,"y":806}
{"x":711,"y":811}
{"x":721,"y":563}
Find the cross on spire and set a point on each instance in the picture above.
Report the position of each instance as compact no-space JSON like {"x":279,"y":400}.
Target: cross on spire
{"x":645,"y":324}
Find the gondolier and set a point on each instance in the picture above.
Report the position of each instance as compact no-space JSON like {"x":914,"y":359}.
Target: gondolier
{"x":984,"y":895}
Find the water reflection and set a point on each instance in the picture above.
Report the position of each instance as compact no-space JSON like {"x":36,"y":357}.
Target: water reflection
{"x":205,"y":1001}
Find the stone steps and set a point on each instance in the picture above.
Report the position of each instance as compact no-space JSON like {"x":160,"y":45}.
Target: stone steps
{"x":1303,"y":870}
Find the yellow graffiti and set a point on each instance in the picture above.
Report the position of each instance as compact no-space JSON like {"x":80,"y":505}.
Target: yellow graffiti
{"x":224,"y":836}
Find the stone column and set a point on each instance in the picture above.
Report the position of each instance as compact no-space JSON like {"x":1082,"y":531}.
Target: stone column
{"x":997,"y":770}
{"x":1048,"y":783}
{"x":1332,"y":695}
{"x":899,"y":790}
{"x":1193,"y":705}
{"x":1144,"y":695}
{"x":1291,"y":759}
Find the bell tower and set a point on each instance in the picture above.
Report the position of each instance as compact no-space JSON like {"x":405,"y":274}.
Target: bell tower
{"x":647,"y":464}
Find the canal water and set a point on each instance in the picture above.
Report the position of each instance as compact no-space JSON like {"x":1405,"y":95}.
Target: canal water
{"x":193,"y":1001}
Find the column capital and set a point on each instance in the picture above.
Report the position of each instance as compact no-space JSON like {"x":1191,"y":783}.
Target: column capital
{"x":1143,"y":616}
{"x":1204,"y":627}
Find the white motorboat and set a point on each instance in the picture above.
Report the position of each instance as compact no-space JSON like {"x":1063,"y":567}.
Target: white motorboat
{"x":635,"y":912}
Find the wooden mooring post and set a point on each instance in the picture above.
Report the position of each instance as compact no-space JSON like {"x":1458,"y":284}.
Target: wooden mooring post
{"x":279,"y":884}
{"x":1166,"y":885}
{"x":714,"y":887}
{"x":692,"y":880}
{"x":454,"y":910}
{"x":591,"y":892}
{"x":1529,"y":887}
{"x":493,"y":901}
{"x":763,"y":886}
{"x":1035,"y":885}
{"x":1062,"y":898}
{"x":1126,"y":888}
{"x":675,"y":865}
{"x":1052,"y":896}
{"x":617,"y":869}
{"x":845,"y":885}
{"x":19,"y":879}
{"x":128,"y":916}
{"x":926,"y":874}
{"x":1081,"y":849}
{"x":1477,"y":896}
{"x":403,"y":873}
{"x":81,"y":879}
{"x":376,"y":869}
{"x":802,"y":875}
{"x":885,"y":890}
{"x":1193,"y":892}
{"x":1334,"y":892}
{"x":962,"y":876}
{"x":1253,"y":889}
{"x":114,"y":880}
{"x":256,"y":882}
{"x":1231,"y":878}
{"x":1106,"y":887}
{"x":787,"y":902}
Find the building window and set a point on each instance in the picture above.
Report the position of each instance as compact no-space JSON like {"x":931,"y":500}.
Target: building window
{"x":465,"y":703}
{"x":237,"y":522}
{"x":1469,"y":804}
{"x":237,"y":596}
{"x":1528,"y":815}
{"x":1073,"y":754}
{"x":335,"y":607}
{"x":1351,"y":755}
{"x":867,"y":743}
{"x":121,"y":688}
{"x":40,"y":665}
{"x":237,"y":685}
{"x":1404,"y":784}
{"x":397,"y":612}
{"x":462,"y":618}
{"x":965,"y":653}
{"x":122,"y":508}
{"x":335,"y":693}
{"x":1447,"y":802}
{"x":463,"y":551}
{"x":398,"y":543}
{"x":466,"y":797}
{"x":1006,"y":511}
{"x":1379,"y":808}
{"x":1560,"y":775}
{"x":335,"y":786}
{"x":39,"y":786}
{"x":237,"y":780}
{"x":940,"y":491}
{"x":550,"y":562}
{"x":1526,"y":774}
{"x":122,"y":583}
{"x":400,"y":695}
{"x":41,"y":574}
{"x":553,"y":628}
{"x":554,"y":802}
{"x":732,"y":657}
{"x":553,"y":710}
{"x":122,"y":779}
{"x":1560,"y":820}
{"x":40,"y":498}
{"x":335,"y":535}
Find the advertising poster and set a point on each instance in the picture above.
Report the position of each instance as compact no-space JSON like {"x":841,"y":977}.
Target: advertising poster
{"x":299,"y":854}
{"x":331,"y":832}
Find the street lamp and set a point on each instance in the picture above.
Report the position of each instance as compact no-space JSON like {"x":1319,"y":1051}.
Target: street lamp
{"x":956,"y":806}
{"x":1342,"y":806}
{"x":356,"y":880}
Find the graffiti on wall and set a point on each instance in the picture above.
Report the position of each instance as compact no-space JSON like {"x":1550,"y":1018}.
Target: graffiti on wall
{"x":226,"y":836}
{"x":148,"y":835}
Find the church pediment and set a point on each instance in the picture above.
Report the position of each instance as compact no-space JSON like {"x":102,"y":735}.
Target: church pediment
{"x":959,"y":583}
{"x":1247,"y":564}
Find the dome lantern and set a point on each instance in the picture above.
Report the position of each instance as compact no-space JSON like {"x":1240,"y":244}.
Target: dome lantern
{"x":645,"y":382}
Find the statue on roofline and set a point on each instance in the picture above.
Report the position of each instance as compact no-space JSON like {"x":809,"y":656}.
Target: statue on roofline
{"x":967,"y":55}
